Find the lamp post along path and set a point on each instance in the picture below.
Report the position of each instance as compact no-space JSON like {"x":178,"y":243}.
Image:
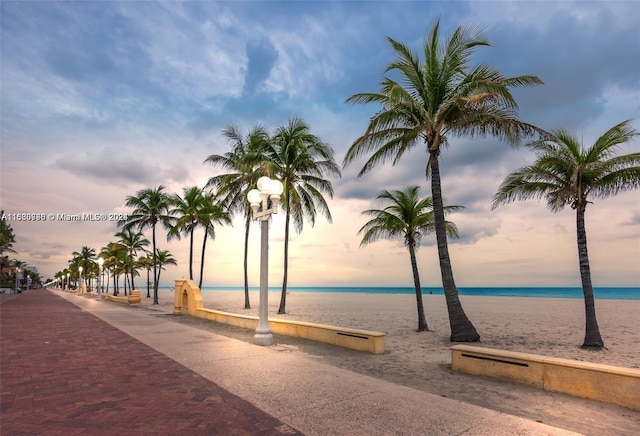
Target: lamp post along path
{"x":268,"y":189}
{"x":100,"y":263}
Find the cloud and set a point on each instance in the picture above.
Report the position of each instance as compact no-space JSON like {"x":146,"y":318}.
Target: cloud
{"x":120,"y":167}
{"x":262,"y":56}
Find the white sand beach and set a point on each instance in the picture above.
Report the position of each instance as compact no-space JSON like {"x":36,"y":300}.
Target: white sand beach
{"x":545,"y":326}
{"x":548,"y":326}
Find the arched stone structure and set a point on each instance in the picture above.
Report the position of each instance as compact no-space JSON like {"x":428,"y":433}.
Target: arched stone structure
{"x":187,"y":298}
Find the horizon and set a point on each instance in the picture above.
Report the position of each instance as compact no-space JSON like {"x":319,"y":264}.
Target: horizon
{"x":100,"y":100}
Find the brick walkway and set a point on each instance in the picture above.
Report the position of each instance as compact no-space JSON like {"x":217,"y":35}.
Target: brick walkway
{"x":64,"y":371}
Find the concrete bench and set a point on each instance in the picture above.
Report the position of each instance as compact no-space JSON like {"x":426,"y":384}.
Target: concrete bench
{"x":355,"y":339}
{"x":132,"y":299}
{"x":606,"y":383}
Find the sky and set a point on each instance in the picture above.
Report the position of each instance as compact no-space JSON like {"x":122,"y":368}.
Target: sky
{"x":102,"y":99}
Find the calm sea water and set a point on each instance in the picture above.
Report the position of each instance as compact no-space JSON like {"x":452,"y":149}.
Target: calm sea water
{"x":602,"y":293}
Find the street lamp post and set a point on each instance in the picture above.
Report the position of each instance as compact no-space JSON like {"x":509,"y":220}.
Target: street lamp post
{"x":68,"y":278}
{"x":259,"y":199}
{"x":100,"y":262}
{"x":17,"y":272}
{"x":79,"y":280}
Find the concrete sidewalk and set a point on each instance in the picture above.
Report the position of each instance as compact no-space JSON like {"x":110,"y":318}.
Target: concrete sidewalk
{"x":303,"y":394}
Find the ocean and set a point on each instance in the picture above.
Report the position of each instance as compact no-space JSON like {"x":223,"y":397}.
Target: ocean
{"x":601,"y":293}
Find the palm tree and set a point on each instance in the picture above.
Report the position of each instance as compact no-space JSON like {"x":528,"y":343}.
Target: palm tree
{"x":113,"y":253}
{"x":16,"y":266}
{"x":300,"y":160}
{"x":146,"y":262}
{"x":435,"y":98}
{"x":409,"y":217}
{"x":187,"y":211}
{"x":150,"y":207}
{"x":211,"y":213}
{"x":85,"y":256}
{"x":243,"y":162}
{"x":132,"y":242}
{"x":163,"y":257}
{"x":567,"y":173}
{"x":120,"y":266}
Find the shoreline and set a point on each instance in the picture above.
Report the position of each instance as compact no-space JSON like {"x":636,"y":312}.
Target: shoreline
{"x":600,"y":293}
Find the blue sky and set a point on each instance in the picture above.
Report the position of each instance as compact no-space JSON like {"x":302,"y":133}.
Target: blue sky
{"x":101,"y":99}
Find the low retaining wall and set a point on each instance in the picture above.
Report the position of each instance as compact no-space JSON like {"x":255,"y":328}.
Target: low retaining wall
{"x":188,"y":300}
{"x":606,"y":383}
{"x":133,"y":299}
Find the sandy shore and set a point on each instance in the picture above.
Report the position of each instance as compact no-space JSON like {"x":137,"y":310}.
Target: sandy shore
{"x":552,"y":327}
{"x":549,"y":326}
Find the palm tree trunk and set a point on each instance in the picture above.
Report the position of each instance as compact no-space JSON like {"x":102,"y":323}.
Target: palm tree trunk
{"x":132,"y":272}
{"x":247,"y":304}
{"x":592,"y":338}
{"x":148,"y":282}
{"x":204,"y":247}
{"x":283,"y":297}
{"x":422,"y":320}
{"x":462,"y":330}
{"x":191,"y":253}
{"x":156,"y":275}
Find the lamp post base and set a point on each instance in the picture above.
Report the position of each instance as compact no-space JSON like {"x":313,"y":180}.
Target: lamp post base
{"x":263,"y":339}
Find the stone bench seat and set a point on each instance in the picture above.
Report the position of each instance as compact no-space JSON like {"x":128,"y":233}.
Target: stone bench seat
{"x":611,"y":384}
{"x":132,"y":299}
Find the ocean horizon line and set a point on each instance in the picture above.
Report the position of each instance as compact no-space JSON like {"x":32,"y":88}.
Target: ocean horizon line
{"x":600,"y":292}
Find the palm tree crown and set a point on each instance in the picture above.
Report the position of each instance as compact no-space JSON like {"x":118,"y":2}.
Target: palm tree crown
{"x":566,"y":173}
{"x":435,"y":98}
{"x":407,"y":216}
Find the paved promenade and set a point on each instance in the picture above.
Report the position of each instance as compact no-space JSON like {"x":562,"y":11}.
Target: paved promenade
{"x":64,"y":371}
{"x":69,"y":368}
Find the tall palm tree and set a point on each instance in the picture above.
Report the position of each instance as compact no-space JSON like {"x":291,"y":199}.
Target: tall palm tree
{"x":85,"y":256}
{"x":436,"y":98}
{"x":211,"y":214}
{"x":133,"y":242}
{"x":244,"y":163}
{"x":146,"y":262}
{"x":300,"y":160}
{"x":150,"y":207}
{"x":567,"y":173}
{"x":187,"y":210}
{"x":164,"y":257}
{"x":120,"y":266}
{"x":408,"y":217}
{"x":113,"y":253}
